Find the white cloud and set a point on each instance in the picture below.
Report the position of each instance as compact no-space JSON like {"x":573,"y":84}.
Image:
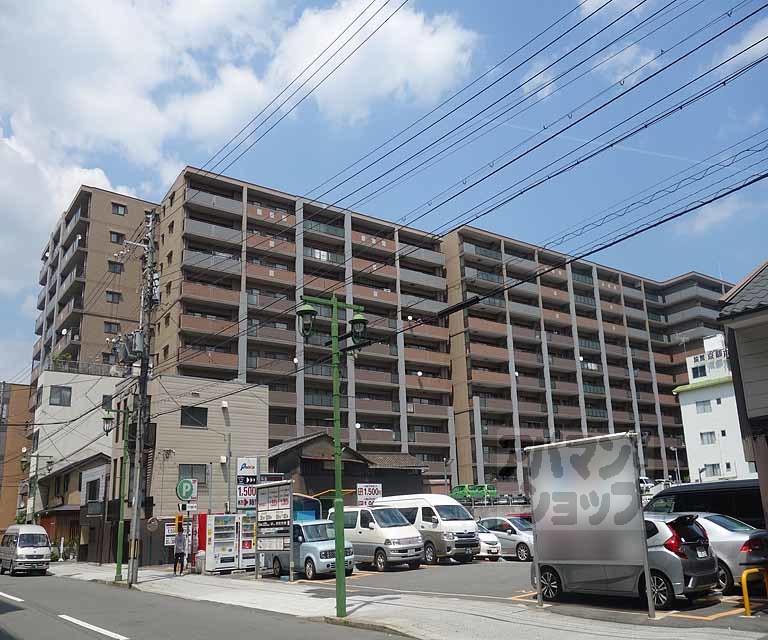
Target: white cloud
{"x":617,"y":67}
{"x":15,"y":357}
{"x":714,"y":215}
{"x":757,"y":32}
{"x":539,"y":78}
{"x":83,"y":81}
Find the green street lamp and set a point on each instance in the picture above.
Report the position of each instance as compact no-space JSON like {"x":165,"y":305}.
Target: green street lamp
{"x":358,"y":329}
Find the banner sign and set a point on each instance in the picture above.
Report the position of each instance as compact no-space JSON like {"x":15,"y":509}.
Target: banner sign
{"x":247,"y":479}
{"x":367,"y":493}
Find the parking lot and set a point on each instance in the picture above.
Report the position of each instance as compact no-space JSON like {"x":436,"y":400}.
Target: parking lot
{"x":509,"y":581}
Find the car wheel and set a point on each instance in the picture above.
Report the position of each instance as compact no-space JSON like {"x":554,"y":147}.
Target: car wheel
{"x":349,"y":571}
{"x":724,"y":577}
{"x":309,"y":569}
{"x":523,"y":552}
{"x":415,"y":564}
{"x":662,"y":592}
{"x":380,"y":561}
{"x":277,"y":569}
{"x":551,"y":587}
{"x":430,"y":555}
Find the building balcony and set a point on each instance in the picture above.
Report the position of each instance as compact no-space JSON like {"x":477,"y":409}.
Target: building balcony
{"x":74,"y":306}
{"x":608,"y":286}
{"x":532,"y":408}
{"x":428,"y":438}
{"x":640,"y":356}
{"x":382,"y":323}
{"x":41,"y":300}
{"x":635,"y":314}
{"x":659,"y":338}
{"x":323,"y":231}
{"x":428,"y":331}
{"x":480,"y":351}
{"x":565,"y":411}
{"x":590,"y":388}
{"x":315,"y":285}
{"x":518,"y":310}
{"x":282,"y":431}
{"x":68,"y":343}
{"x":617,"y":372}
{"x":385,"y":378}
{"x":269,"y":334}
{"x":271,"y":275}
{"x":496,"y":405}
{"x":521,"y":266}
{"x":614,"y":350}
{"x":482,"y":254}
{"x":528,"y":383}
{"x":692,"y":292}
{"x":207,"y":359}
{"x":378,"y":436}
{"x":625,"y":417}
{"x":561,"y":340}
{"x":490,"y":303}
{"x":640,"y":334}
{"x":271,"y":304}
{"x":502,"y":459}
{"x":282,"y":399}
{"x":529,"y":358}
{"x":524,"y":334}
{"x":585,"y":301}
{"x":423,"y":356}
{"x":667,"y":399}
{"x":562,"y":364}
{"x":553,"y":294}
{"x":485,"y":279}
{"x":619,"y":393}
{"x":694,"y":313}
{"x":74,"y":281}
{"x":671,"y":421}
{"x":212,"y":262}
{"x":648,"y":419}
{"x":565,"y":388}
{"x":646,"y":396}
{"x":426,"y":280}
{"x":588,"y":344}
{"x":368,"y":294}
{"x":210,"y":201}
{"x":76,"y":250}
{"x":42,"y":277}
{"x":390,"y":351}
{"x":632,"y":293}
{"x":592,"y":369}
{"x":427,"y":410}
{"x":664,"y":359}
{"x":271,"y":246}
{"x":271,"y":215}
{"x":374,"y":268}
{"x":210,"y":231}
{"x":611,"y":308}
{"x":36,"y":346}
{"x":643,"y":376}
{"x":421,"y":304}
{"x":312,"y":429}
{"x":590,"y":324}
{"x":210,"y":293}
{"x":419,"y":254}
{"x":323,"y":257}
{"x":490,"y":378}
{"x":39,"y":325}
{"x":275,"y":366}
{"x":372,"y":241}
{"x":220,"y":327}
{"x":316,"y":398}
{"x":615,"y":330}
{"x":427,"y":383}
{"x":364,"y":405}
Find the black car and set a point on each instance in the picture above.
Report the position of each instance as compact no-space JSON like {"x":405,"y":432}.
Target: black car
{"x":739,"y":499}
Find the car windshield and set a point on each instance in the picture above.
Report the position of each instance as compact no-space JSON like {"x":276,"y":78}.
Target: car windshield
{"x":453,"y":512}
{"x":482,"y":529}
{"x":318,"y":532}
{"x":33,"y":540}
{"x":730,"y":524}
{"x":521,"y":524}
{"x":386,"y":518}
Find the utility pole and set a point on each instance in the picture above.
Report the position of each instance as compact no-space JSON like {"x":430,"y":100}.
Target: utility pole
{"x":229,"y":472}
{"x":123,"y":482}
{"x":142,"y":345}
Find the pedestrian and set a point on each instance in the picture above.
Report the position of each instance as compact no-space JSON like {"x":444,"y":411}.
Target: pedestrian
{"x":179,"y":551}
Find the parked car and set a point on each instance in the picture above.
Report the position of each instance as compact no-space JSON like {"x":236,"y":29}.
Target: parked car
{"x":447,"y":528}
{"x":739,"y":499}
{"x":737,"y":545}
{"x":489,"y":544}
{"x":473,"y":492}
{"x":679,"y":557}
{"x":382,"y":536}
{"x":25,"y":547}
{"x":515,"y":536}
{"x":646,"y":484}
{"x":314,"y":551}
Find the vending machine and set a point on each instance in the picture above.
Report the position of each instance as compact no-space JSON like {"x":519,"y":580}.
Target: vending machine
{"x":221,"y":551}
{"x":247,"y":556}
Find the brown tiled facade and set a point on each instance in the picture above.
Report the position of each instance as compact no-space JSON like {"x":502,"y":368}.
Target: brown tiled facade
{"x":14,"y":414}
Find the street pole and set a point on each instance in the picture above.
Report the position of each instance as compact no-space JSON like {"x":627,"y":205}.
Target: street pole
{"x":445,"y":475}
{"x":210,"y":488}
{"x":147,"y":299}
{"x":229,"y":472}
{"x":677,"y":466}
{"x":121,"y":521}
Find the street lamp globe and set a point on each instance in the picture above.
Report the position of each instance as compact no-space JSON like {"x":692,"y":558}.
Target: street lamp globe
{"x":108,"y":423}
{"x":359,"y":324}
{"x":307,"y":314}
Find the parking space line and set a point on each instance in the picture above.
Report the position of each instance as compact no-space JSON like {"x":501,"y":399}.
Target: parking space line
{"x":709,"y":618}
{"x":93,"y":627}
{"x":10,"y":597}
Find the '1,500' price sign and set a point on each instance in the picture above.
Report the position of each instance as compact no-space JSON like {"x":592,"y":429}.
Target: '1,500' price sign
{"x":246,"y":496}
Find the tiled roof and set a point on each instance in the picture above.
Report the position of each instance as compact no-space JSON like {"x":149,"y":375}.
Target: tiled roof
{"x":392,"y":460}
{"x":294,"y":442}
{"x":748,"y":296}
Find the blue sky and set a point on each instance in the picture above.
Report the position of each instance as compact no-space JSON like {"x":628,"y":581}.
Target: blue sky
{"x":124,"y":94}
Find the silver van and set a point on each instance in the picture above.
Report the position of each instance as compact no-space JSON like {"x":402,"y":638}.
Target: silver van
{"x":25,"y":547}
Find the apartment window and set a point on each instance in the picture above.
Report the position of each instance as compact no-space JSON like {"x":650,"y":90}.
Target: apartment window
{"x":115,"y":267}
{"x":61,"y":396}
{"x":700,"y":371}
{"x":707,"y":437}
{"x":39,"y":395}
{"x":722,"y":433}
{"x":162,"y":239}
{"x":108,"y":358}
{"x":727,"y":466}
{"x":92,"y":491}
{"x":170,"y":228}
{"x":704,"y":406}
{"x":168,"y":289}
{"x":719,"y":401}
{"x":712,"y":470}
{"x":111,"y":327}
{"x":114,"y":297}
{"x":752,"y":467}
{"x":169,"y":258}
{"x":196,"y":417}
{"x":106,"y":402}
{"x":172,"y":198}
{"x":167,"y":320}
{"x":165,"y":352}
{"x":194,"y":472}
{"x":116,"y":238}
{"x":119,"y":209}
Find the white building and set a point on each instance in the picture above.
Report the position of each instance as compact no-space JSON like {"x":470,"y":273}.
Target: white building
{"x":710,"y":418}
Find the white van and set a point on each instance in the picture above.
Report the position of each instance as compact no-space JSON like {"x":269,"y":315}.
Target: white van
{"x":381,"y":536}
{"x":447,"y":528}
{"x":25,"y":547}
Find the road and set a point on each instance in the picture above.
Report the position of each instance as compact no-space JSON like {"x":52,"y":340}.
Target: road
{"x":31,"y":608}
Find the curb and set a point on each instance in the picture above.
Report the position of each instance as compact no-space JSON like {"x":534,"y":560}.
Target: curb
{"x":364,"y":626}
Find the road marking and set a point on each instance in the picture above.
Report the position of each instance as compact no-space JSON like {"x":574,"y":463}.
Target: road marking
{"x":10,"y":597}
{"x":714,"y":616}
{"x":93,"y":627}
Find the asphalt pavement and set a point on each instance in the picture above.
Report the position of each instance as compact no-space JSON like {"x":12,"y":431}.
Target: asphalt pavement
{"x":50,"y":608}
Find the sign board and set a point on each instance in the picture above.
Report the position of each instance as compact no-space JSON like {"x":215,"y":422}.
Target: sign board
{"x":170,"y":534}
{"x":367,"y":493}
{"x":186,"y":489}
{"x":274,"y":520}
{"x":247,"y":479}
{"x":586,"y":508}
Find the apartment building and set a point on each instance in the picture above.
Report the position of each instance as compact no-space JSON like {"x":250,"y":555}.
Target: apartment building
{"x":235,"y":259}
{"x":89,"y":290}
{"x":581,"y":349}
{"x":14,"y":416}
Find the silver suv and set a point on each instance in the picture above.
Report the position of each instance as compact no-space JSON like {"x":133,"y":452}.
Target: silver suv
{"x":679,"y":557}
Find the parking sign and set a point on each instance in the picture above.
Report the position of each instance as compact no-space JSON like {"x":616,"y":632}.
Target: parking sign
{"x":367,"y":493}
{"x":186,"y":489}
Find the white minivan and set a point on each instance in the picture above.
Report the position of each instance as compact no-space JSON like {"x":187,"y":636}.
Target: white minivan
{"x":381,"y":536}
{"x":448,"y":529}
{"x":25,"y":547}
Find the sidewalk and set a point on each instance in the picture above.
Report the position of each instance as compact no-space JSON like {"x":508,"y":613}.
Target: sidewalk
{"x":425,"y":618}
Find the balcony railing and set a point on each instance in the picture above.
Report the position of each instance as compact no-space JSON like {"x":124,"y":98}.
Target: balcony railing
{"x":324,"y":256}
{"x":588,"y":300}
{"x":322,"y":399}
{"x":322,"y":227}
{"x":482,"y":251}
{"x":582,"y":277}
{"x":596,"y":412}
{"x":589,"y":344}
{"x":594,"y":388}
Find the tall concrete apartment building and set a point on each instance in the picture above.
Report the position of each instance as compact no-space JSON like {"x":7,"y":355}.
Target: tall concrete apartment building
{"x":583,"y":349}
{"x":88,"y":294}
